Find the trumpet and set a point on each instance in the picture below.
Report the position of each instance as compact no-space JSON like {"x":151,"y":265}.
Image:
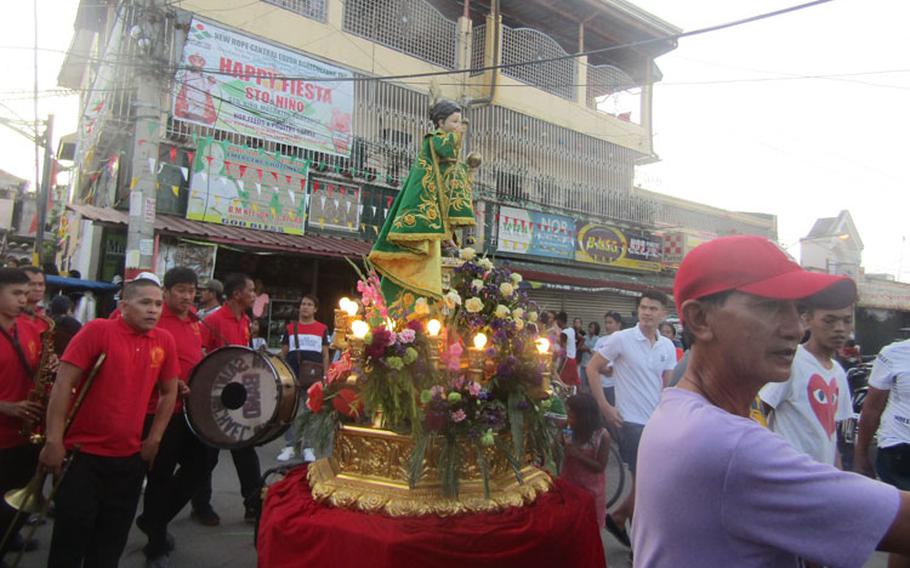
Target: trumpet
{"x":30,"y":499}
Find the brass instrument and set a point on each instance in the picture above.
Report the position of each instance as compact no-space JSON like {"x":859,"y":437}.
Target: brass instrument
{"x":32,"y":430}
{"x":30,"y":498}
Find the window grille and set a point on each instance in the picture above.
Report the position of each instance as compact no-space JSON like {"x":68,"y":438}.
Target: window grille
{"x":478,"y":48}
{"x":525,"y":44}
{"x":313,"y":9}
{"x":413,"y":27}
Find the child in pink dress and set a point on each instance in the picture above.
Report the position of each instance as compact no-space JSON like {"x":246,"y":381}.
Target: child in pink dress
{"x":587,"y":451}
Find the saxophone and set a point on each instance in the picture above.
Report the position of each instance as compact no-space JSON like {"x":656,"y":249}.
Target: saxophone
{"x":33,"y":430}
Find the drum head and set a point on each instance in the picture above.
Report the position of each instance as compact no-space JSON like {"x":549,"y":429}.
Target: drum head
{"x":238,"y":397}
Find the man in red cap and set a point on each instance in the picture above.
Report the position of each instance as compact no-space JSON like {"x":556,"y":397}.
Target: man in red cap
{"x":724,"y":491}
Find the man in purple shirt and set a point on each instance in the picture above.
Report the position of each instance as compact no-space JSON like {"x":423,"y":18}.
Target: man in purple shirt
{"x":714,"y":487}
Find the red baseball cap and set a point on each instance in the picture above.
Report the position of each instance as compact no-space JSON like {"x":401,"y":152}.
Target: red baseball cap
{"x":757,"y":266}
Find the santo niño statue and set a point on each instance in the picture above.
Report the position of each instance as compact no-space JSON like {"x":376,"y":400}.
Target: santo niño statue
{"x":435,"y":199}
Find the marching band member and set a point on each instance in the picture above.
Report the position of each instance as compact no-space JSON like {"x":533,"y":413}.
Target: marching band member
{"x":97,"y":497}
{"x":229,"y":325}
{"x":36,"y":287}
{"x":20,"y":351}
{"x":167,"y":490}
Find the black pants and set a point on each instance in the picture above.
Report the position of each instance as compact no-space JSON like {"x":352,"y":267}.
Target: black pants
{"x":167,"y":490}
{"x":17,"y":466}
{"x":95,"y":505}
{"x":247,"y":463}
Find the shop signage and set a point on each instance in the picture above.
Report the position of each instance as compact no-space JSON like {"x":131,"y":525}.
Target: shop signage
{"x":334,"y":206}
{"x":240,"y":84}
{"x":610,"y":246}
{"x":535,"y":233}
{"x":247,"y":187}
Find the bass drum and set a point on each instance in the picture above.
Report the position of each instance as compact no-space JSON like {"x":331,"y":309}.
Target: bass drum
{"x":240,"y":398}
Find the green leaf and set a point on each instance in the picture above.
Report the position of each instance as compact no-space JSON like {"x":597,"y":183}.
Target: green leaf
{"x":415,"y":465}
{"x":517,"y":424}
{"x":484,"y":470}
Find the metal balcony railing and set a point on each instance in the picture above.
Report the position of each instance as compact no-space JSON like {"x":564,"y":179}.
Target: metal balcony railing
{"x":313,"y":9}
{"x":525,"y":44}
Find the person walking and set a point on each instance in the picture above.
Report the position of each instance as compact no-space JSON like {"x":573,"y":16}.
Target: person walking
{"x":180,"y":466}
{"x":585,"y":349}
{"x":20,"y":352}
{"x":887,"y":412}
{"x":568,"y":365}
{"x":229,"y":325}
{"x":604,"y":379}
{"x":642,"y":361}
{"x":714,"y":487}
{"x":97,"y":498}
{"x":212,"y":296}
{"x":587,"y":449}
{"x":305,"y":346}
{"x":806,"y":408}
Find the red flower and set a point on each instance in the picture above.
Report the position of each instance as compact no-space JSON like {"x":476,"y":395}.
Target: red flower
{"x":346,"y":403}
{"x":315,"y":397}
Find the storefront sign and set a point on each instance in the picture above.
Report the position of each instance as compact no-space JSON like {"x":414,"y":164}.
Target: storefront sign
{"x":534,"y":233}
{"x":240,"y":84}
{"x":246,"y":187}
{"x":334,"y":206}
{"x":610,"y":246}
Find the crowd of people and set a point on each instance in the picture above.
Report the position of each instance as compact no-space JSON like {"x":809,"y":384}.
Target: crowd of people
{"x":730,"y":437}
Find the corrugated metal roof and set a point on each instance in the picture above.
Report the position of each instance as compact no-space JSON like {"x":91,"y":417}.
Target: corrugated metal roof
{"x":323,"y":245}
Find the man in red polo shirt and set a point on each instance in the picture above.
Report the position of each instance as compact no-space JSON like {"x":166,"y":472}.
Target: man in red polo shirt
{"x":20,"y":351}
{"x":229,"y":325}
{"x":33,"y":311}
{"x":97,"y":498}
{"x":170,"y":487}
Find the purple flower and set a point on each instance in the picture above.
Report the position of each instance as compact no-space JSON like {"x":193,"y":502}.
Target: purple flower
{"x":407,"y":335}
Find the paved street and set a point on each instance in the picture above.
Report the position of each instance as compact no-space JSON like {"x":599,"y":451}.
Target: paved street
{"x":231,"y":544}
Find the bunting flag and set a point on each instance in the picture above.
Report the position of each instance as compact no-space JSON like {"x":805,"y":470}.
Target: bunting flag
{"x":133,"y":183}
{"x":330,"y":189}
{"x":321,"y":222}
{"x":388,"y":202}
{"x":341,"y":190}
{"x":374,"y":210}
{"x":243,"y":168}
{"x":152,"y":163}
{"x":363,"y":226}
{"x":185,"y":172}
{"x":287,"y":177}
{"x":189,"y":157}
{"x":172,"y":153}
{"x":210,"y":159}
{"x":259,"y":173}
{"x":160,"y":166}
{"x":227,"y":165}
{"x":259,"y":189}
{"x":274,"y":175}
{"x":303,"y":185}
{"x":385,"y":213}
{"x":291,"y":195}
{"x":175,"y":189}
{"x":240,"y":184}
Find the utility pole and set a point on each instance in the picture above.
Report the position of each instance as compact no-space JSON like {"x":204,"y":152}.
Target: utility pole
{"x":140,"y":242}
{"x":44,"y":191}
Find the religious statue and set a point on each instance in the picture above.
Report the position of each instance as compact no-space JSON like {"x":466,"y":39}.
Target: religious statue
{"x":435,"y":199}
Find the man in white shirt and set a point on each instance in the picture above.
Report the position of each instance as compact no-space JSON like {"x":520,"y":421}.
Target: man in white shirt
{"x":806,"y":408}
{"x":642,"y":362}
{"x":887,"y":411}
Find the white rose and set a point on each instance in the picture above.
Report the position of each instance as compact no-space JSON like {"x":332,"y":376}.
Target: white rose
{"x":502,"y":311}
{"x":532,"y":317}
{"x":467,"y":254}
{"x":477,"y":284}
{"x":473,"y":305}
{"x":485,"y":263}
{"x":517,"y":313}
{"x":506,"y":290}
{"x":452,"y":299}
{"x":516,"y":278}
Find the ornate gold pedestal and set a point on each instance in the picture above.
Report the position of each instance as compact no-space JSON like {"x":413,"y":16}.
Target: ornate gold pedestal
{"x":369,"y":471}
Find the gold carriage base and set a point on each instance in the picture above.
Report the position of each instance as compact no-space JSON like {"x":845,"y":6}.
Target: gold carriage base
{"x":368,"y":471}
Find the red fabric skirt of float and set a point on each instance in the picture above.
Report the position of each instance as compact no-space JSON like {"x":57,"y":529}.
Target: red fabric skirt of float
{"x":558,"y":529}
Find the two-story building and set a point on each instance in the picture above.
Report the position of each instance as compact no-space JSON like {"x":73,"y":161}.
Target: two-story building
{"x":289,"y":125}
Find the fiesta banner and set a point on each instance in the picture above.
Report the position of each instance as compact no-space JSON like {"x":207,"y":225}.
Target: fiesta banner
{"x":240,"y":84}
{"x":534,"y":233}
{"x":610,"y":246}
{"x":247,"y":187}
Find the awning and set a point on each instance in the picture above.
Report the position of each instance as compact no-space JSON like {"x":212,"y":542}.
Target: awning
{"x":77,"y":284}
{"x":321,"y":245}
{"x":553,"y":277}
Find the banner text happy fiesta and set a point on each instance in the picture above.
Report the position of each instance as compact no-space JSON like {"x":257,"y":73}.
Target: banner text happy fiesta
{"x":274,"y":81}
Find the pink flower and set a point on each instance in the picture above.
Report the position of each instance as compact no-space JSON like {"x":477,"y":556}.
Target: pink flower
{"x":458,"y":415}
{"x":393,"y":337}
{"x":407,"y":335}
{"x":452,"y":356}
{"x":458,"y":384}
{"x":474,"y":388}
{"x":437,"y":391}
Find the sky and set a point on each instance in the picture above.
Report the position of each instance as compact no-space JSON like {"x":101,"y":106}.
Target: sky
{"x":732,"y":126}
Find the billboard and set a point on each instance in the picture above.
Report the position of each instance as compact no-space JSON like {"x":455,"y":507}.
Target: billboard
{"x":237,"y":83}
{"x":610,"y":246}
{"x":247,"y":187}
{"x":534,"y":233}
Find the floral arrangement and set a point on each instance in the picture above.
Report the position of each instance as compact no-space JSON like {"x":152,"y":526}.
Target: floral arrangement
{"x":477,"y":378}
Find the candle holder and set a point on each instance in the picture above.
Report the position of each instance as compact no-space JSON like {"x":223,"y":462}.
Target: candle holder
{"x":476,"y":359}
{"x":434,"y":340}
{"x":545,"y":358}
{"x":359,"y":330}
